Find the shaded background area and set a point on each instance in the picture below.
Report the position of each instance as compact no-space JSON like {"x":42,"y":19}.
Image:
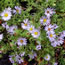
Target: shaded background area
{"x":5,"y":60}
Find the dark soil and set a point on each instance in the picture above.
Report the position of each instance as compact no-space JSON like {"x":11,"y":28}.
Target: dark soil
{"x":5,"y":60}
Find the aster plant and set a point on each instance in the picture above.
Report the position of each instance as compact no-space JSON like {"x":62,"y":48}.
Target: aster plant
{"x":33,"y":30}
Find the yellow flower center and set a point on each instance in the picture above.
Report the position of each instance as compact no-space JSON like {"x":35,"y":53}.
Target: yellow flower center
{"x":6,"y":14}
{"x":44,"y":20}
{"x":21,"y":41}
{"x":46,"y":56}
{"x":25,"y":24}
{"x":36,"y":33}
{"x":47,"y":11}
{"x":49,"y":29}
{"x":17,"y":10}
{"x":31,"y":29}
{"x":51,"y":35}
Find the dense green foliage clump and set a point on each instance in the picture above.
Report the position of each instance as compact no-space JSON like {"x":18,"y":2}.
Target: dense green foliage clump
{"x":33,"y":10}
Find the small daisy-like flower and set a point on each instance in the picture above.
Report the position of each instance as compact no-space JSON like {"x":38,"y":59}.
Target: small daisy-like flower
{"x":18,"y":59}
{"x":54,"y":43}
{"x":17,"y":10}
{"x":44,"y":20}
{"x":11,"y":60}
{"x":60,"y":40}
{"x":55,"y":26}
{"x":5,"y":25}
{"x":49,"y":12}
{"x":26,"y":21}
{"x":0,"y":51}
{"x":9,"y":9}
{"x":12,"y":29}
{"x":55,"y":63}
{"x":35,"y":33}
{"x":22,"y":41}
{"x":47,"y":57}
{"x":51,"y":36}
{"x":26,"y":24}
{"x":33,"y":55}
{"x":49,"y":28}
{"x":63,"y":34}
{"x":6,"y":15}
{"x":1,"y":37}
{"x":38,"y":47}
{"x":31,"y":28}
{"x":22,"y":54}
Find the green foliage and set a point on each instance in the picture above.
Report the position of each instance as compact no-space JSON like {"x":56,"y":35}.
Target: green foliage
{"x":61,"y":61}
{"x":60,"y":5}
{"x":39,"y":6}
